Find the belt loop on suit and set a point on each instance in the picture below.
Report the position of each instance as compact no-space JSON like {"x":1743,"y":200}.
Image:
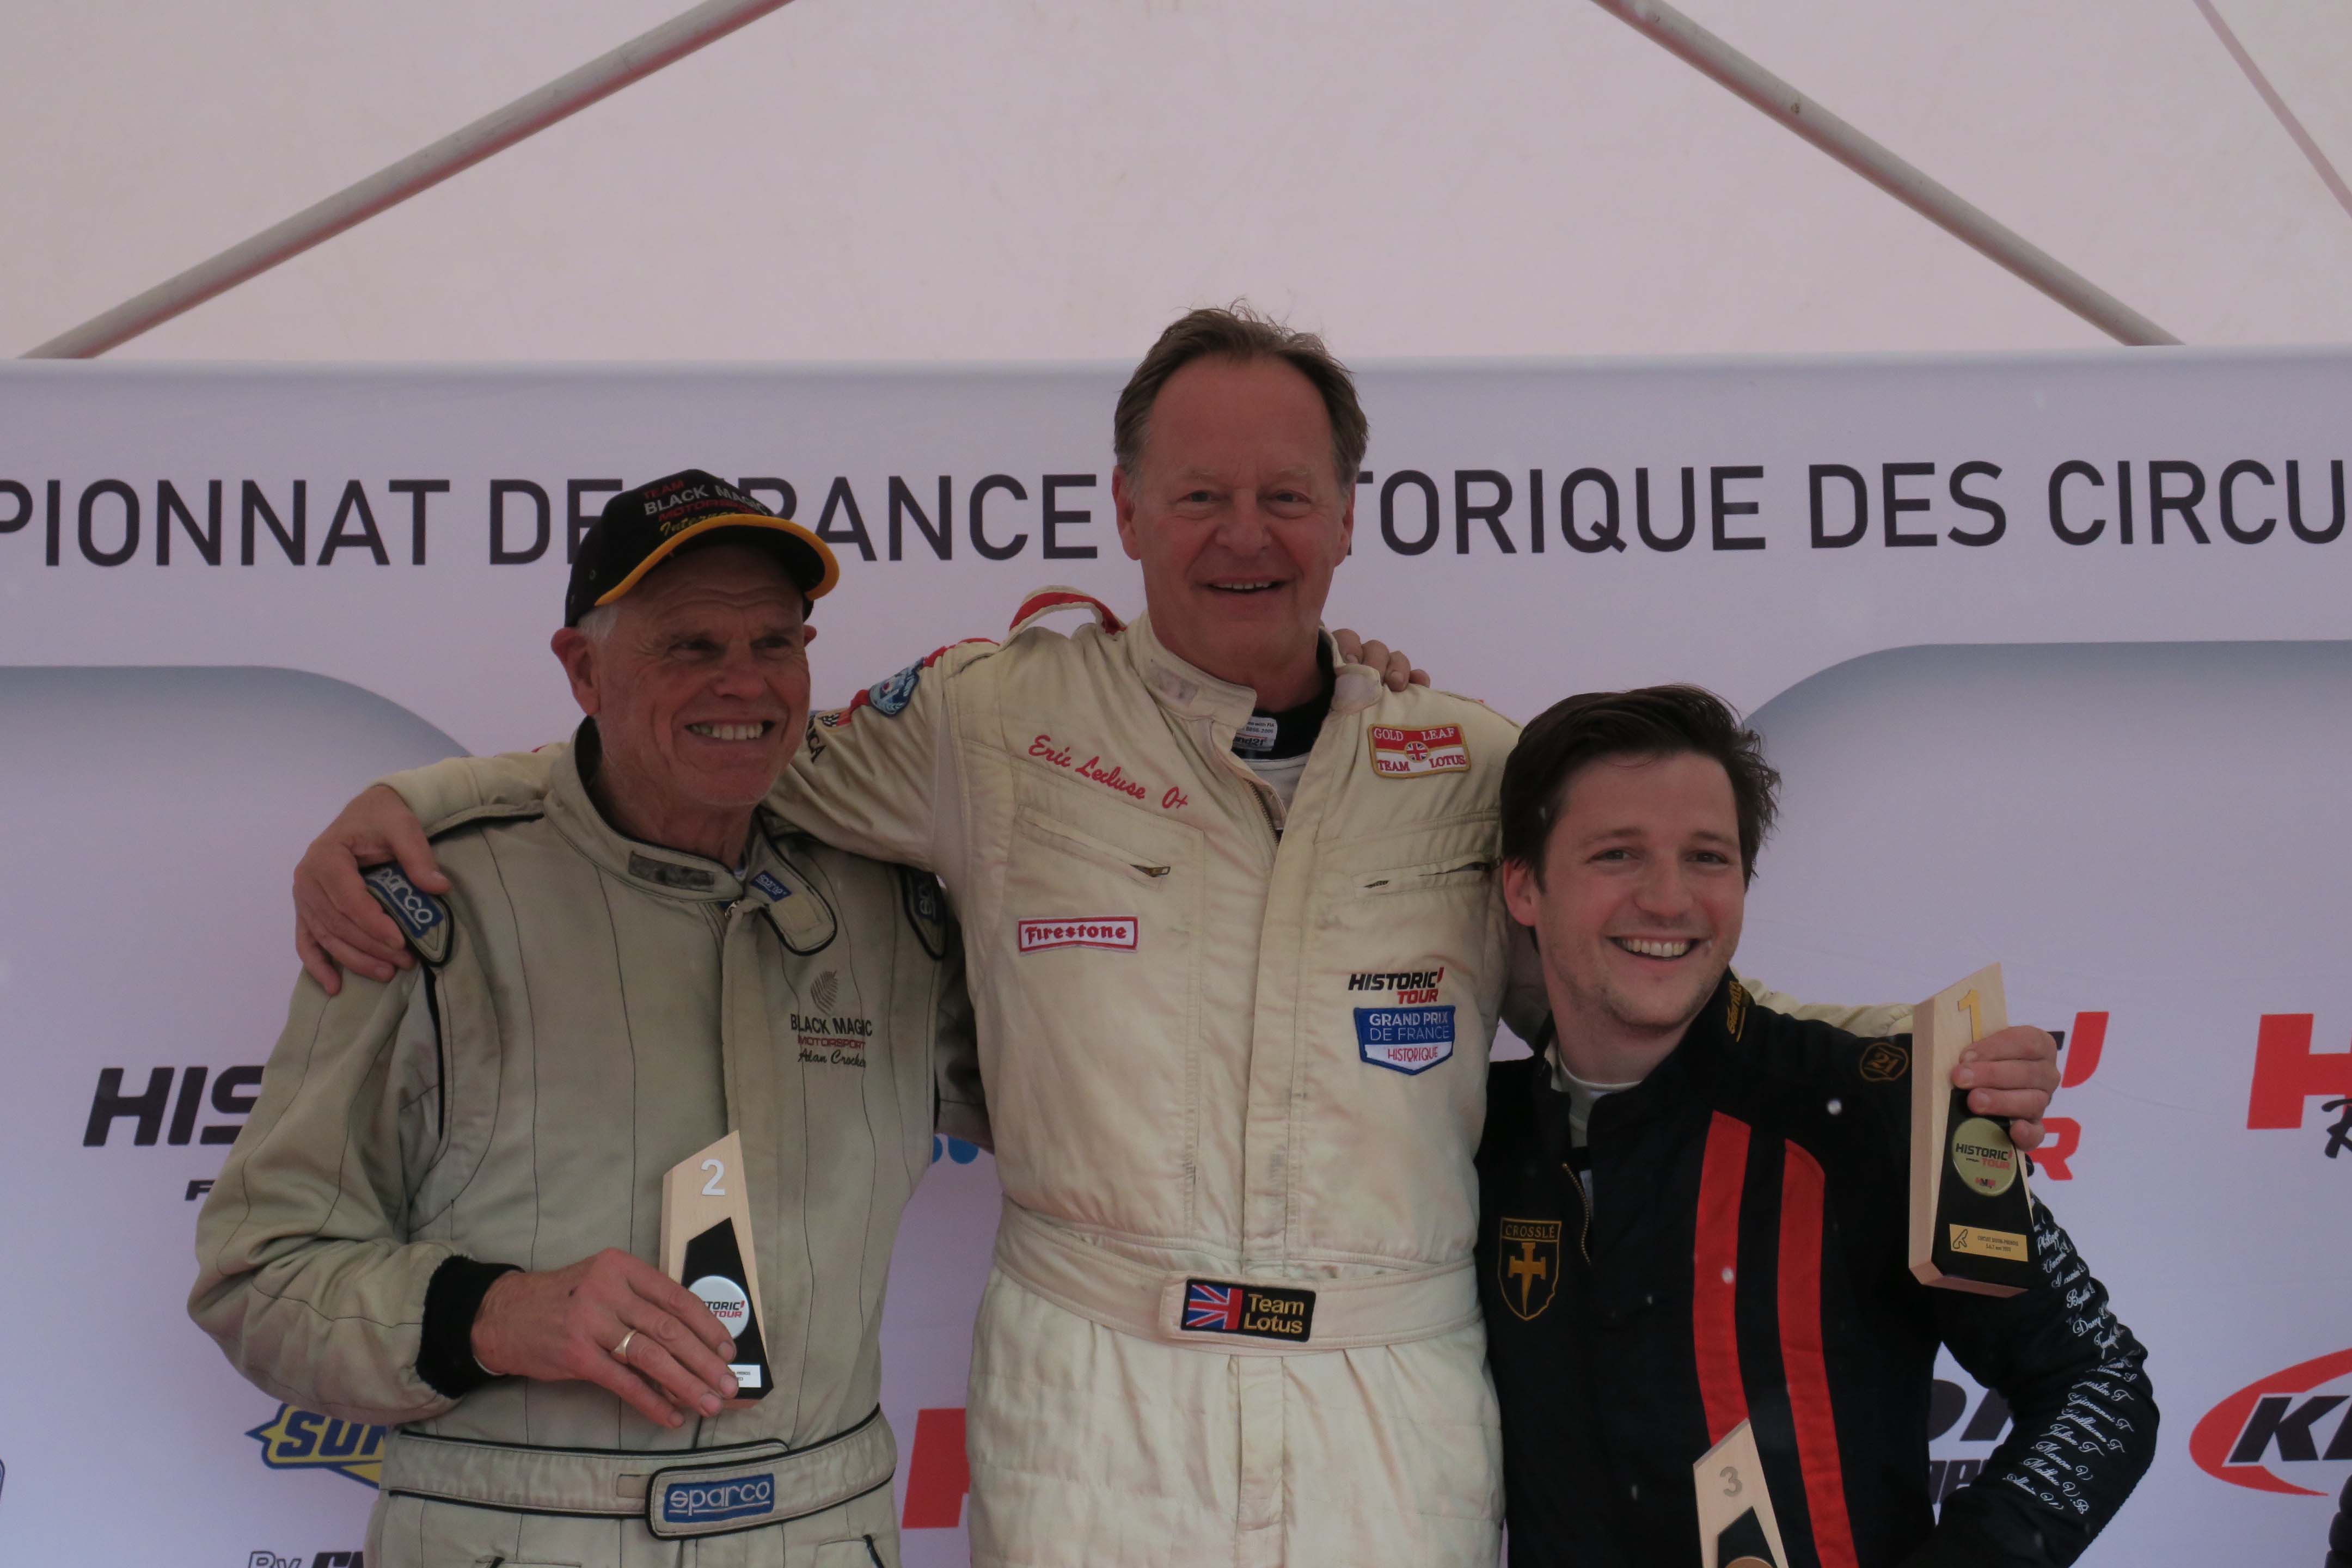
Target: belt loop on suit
{"x":1118,"y":1292}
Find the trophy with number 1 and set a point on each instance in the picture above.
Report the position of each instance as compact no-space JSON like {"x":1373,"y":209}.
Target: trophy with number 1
{"x":1971,"y":1221}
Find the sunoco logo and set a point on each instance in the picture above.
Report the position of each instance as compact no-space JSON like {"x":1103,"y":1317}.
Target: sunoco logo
{"x":2287,"y":1419}
{"x":709,"y":1502}
{"x":298,"y":1439}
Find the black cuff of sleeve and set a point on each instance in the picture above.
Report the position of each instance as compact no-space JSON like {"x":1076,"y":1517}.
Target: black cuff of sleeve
{"x":445,"y":1352}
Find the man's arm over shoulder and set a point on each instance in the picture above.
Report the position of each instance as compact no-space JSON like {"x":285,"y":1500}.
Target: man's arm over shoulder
{"x":2076,"y":1384}
{"x":449,"y":791}
{"x":307,"y":1279}
{"x":879,"y":777}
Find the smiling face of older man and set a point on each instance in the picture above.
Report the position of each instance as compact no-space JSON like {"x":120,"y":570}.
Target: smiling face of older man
{"x":698,"y":682}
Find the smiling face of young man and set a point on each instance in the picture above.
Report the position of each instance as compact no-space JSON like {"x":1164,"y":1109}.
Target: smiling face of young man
{"x":1637,"y":908}
{"x":699,"y":690}
{"x":1239,"y":520}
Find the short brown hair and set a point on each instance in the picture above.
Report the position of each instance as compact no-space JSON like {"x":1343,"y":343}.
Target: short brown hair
{"x":1654,"y":722}
{"x":1240,"y":333}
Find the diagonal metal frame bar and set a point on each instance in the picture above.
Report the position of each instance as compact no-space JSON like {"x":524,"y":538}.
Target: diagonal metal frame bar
{"x":1939,"y":204}
{"x":2310,"y":148}
{"x":461,"y":149}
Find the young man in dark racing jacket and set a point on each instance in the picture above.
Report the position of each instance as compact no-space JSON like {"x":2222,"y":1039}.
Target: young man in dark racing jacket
{"x":1693,"y":1210}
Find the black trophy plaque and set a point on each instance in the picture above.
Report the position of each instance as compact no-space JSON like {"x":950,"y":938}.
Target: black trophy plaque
{"x":1737,"y":1526}
{"x":1971,"y":1221}
{"x":705,"y":1244}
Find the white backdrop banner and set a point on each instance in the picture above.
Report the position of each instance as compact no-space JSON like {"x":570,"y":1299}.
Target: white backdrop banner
{"x":2051,"y":653}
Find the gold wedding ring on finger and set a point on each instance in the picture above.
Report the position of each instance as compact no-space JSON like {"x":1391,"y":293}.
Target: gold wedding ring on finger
{"x":621,"y":1350}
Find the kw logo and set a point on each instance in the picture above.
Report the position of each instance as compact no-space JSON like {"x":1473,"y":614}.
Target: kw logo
{"x":296,"y":1439}
{"x":2278,"y":1415}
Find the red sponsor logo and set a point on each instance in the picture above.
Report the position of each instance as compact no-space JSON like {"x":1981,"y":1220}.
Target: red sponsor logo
{"x":2288,"y":1073}
{"x":1116,"y":932}
{"x":1412,"y":754}
{"x":938,"y":1476}
{"x":2277,"y":1419}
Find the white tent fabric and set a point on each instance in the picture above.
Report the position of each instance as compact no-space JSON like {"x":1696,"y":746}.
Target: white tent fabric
{"x":891,"y":180}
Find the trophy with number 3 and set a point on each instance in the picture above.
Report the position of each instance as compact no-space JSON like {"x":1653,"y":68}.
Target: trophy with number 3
{"x":1737,"y":1526}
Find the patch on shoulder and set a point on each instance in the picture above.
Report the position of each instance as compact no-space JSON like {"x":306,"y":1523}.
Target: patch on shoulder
{"x":1734,"y":1011}
{"x":1402,"y":754}
{"x":422,"y":918}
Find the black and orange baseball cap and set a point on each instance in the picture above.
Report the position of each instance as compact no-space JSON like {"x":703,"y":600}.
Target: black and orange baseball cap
{"x":642,"y":528}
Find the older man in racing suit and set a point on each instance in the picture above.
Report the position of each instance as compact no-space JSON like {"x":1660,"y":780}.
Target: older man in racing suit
{"x":443,"y":1213}
{"x":1237,"y":955}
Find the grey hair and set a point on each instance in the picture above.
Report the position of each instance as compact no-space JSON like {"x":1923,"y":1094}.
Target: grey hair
{"x":597,"y":625}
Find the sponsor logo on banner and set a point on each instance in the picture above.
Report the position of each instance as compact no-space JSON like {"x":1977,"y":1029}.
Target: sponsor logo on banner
{"x":1950,"y":1465}
{"x":169,"y":1105}
{"x":259,"y":1559}
{"x":714,"y":1502}
{"x":1405,"y":1039}
{"x":2289,"y":1075}
{"x":1414,"y":753}
{"x":939,"y":1476}
{"x":1224,"y":1307}
{"x":298,"y":1439}
{"x":2298,"y":1420}
{"x":1527,"y":1264}
{"x":1116,"y":932}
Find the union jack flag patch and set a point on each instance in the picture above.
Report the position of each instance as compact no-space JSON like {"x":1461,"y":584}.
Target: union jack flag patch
{"x":1222,"y":1307}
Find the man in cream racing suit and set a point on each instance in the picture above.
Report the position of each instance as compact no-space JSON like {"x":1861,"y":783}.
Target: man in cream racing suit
{"x":1231,"y":911}
{"x":442,"y":1212}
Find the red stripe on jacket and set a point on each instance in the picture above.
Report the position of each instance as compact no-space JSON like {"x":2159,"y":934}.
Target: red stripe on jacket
{"x":1715,"y":1272}
{"x":1809,"y":1410}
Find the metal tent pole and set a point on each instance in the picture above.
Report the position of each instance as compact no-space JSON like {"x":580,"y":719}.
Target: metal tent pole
{"x":1679,"y":36}
{"x":461,"y":149}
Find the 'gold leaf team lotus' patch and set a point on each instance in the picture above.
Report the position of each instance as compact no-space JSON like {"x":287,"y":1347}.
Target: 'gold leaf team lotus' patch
{"x":1415,"y":754}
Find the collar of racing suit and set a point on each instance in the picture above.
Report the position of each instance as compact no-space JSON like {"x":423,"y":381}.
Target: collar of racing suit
{"x":672,"y":873}
{"x":1191,"y":693}
{"x":1703,"y":1054}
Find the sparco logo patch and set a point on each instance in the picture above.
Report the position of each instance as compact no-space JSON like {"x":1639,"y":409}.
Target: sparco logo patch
{"x":1116,"y":932}
{"x":1412,"y":754}
{"x":710,"y":1502}
{"x":1405,"y":1039}
{"x":1224,"y":1307}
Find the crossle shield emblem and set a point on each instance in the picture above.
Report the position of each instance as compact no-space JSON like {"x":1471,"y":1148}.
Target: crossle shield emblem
{"x":1527,"y":1264}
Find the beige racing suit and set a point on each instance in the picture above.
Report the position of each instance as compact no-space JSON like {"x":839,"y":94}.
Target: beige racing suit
{"x":1236,"y":1059}
{"x":591,"y":1010}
